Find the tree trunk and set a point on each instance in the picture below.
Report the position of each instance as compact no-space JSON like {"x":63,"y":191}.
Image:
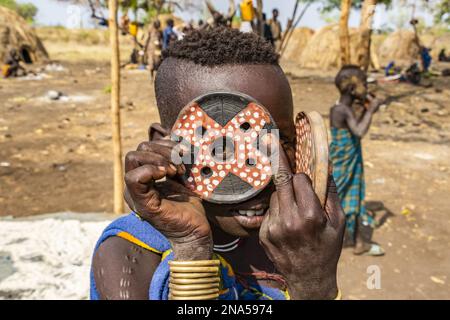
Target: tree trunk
{"x":115,"y":107}
{"x":344,"y":34}
{"x":365,"y":33}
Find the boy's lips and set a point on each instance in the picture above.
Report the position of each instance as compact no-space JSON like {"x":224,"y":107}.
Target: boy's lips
{"x":251,"y":218}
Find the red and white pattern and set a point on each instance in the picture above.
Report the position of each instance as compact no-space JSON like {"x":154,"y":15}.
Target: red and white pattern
{"x":188,"y":126}
{"x":304,"y":155}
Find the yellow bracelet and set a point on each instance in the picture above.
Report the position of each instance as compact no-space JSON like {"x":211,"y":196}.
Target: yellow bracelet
{"x":194,"y":280}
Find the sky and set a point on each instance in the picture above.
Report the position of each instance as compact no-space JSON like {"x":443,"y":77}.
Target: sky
{"x":52,"y":12}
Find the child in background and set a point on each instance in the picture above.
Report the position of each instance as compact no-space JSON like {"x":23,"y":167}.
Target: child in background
{"x":346,"y":155}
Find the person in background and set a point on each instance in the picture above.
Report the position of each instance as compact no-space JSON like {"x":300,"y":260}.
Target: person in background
{"x":12,"y":67}
{"x":125,"y":24}
{"x":267,"y":30}
{"x":347,"y":131}
{"x":153,"y":46}
{"x":169,"y":34}
{"x":277,"y":30}
{"x":443,"y":57}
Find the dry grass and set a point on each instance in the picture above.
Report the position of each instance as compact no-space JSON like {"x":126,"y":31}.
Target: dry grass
{"x":323,"y":49}
{"x":297,"y":43}
{"x":81,"y":44}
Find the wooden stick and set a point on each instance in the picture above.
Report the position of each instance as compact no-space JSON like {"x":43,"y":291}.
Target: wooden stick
{"x":291,"y":31}
{"x":115,"y":107}
{"x":259,"y":13}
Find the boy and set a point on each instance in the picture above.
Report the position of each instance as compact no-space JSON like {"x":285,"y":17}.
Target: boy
{"x":267,"y":253}
{"x":169,"y":34}
{"x":346,"y":155}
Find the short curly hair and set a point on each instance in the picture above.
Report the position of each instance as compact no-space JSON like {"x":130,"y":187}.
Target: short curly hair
{"x":347,"y":76}
{"x":221,"y":45}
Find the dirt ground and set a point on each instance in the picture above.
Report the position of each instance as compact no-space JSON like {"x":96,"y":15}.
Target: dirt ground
{"x":56,"y":156}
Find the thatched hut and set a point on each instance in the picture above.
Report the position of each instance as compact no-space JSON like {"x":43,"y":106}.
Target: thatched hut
{"x":297,"y":43}
{"x":15,"y":33}
{"x":323,"y":49}
{"x":400,"y":47}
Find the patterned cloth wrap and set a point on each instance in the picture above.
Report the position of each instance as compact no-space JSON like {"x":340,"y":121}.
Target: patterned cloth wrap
{"x":348,"y":173}
{"x":132,"y":228}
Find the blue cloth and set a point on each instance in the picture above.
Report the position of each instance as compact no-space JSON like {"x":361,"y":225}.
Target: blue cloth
{"x":389,"y":70}
{"x":168,"y":34}
{"x":426,"y":58}
{"x":348,"y":173}
{"x":140,"y":232}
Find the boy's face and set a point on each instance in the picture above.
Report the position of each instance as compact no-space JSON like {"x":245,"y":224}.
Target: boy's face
{"x":360,"y":88}
{"x":269,"y":86}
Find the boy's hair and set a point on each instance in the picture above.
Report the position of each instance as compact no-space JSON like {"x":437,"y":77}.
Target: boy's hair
{"x":347,"y":76}
{"x":214,"y":47}
{"x":219,"y":46}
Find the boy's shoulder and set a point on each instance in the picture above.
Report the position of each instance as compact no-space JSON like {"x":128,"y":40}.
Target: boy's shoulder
{"x":340,"y":108}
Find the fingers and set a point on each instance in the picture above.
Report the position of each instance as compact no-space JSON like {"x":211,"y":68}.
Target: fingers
{"x":162,"y":148}
{"x":135,"y":159}
{"x":140,"y":180}
{"x":333,"y":207}
{"x":308,"y":203}
{"x":283,"y":178}
{"x":157,"y":131}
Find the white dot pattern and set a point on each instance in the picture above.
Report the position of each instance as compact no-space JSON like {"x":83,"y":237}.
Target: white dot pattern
{"x":258,"y":174}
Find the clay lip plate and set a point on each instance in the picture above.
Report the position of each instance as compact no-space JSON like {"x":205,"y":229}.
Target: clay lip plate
{"x":218,"y":115}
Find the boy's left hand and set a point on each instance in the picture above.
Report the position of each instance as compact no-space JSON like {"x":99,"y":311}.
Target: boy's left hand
{"x":303,"y":240}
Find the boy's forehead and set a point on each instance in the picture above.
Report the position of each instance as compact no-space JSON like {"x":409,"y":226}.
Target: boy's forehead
{"x":265,"y":83}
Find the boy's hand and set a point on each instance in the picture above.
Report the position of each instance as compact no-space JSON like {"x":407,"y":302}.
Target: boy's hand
{"x":374,"y":103}
{"x":303,"y":240}
{"x":170,"y":207}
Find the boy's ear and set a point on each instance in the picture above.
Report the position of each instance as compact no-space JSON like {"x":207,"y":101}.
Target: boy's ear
{"x":156,"y":132}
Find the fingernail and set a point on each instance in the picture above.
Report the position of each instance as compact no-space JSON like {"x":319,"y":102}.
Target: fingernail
{"x":162,"y":168}
{"x":173,"y":167}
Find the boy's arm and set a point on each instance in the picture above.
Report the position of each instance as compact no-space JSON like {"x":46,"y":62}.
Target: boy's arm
{"x":123,"y":270}
{"x":358,"y":128}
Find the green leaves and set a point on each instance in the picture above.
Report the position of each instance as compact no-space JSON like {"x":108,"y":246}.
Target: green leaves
{"x":26,"y":10}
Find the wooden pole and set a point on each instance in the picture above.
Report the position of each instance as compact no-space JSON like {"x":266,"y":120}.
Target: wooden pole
{"x":259,"y":14}
{"x":115,"y":107}
{"x":305,"y":8}
{"x":365,"y":33}
{"x":289,"y":25}
{"x":344,"y":34}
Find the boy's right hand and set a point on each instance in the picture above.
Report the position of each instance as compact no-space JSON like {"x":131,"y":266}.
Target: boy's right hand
{"x":374,"y":103}
{"x":169,"y":206}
